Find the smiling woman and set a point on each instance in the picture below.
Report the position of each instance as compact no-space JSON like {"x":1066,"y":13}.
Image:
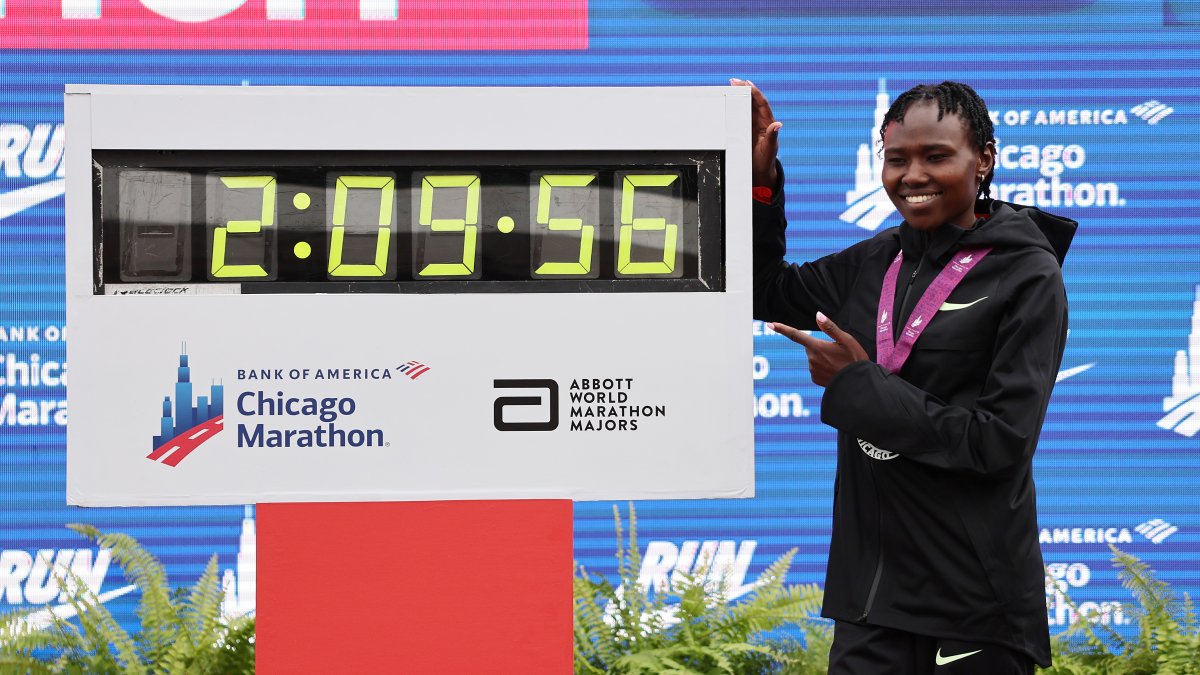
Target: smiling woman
{"x":933,"y":168}
{"x":947,"y":334}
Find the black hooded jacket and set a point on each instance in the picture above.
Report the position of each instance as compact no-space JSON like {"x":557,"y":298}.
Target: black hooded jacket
{"x":934,"y":516}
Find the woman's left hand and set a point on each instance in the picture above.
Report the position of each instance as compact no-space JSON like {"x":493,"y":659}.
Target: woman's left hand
{"x":825,"y":359}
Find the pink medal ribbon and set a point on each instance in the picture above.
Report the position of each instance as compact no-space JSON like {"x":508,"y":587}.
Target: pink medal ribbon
{"x":892,"y":355}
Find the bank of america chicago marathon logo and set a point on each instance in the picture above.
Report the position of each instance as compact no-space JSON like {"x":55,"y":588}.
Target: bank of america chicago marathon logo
{"x":193,"y":422}
{"x":868,"y":206}
{"x":1152,"y":112}
{"x":1155,"y":531}
{"x":186,"y":424}
{"x":413,"y":369}
{"x":1182,"y":406}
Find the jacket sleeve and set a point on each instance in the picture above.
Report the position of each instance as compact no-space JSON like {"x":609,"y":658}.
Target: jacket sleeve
{"x":786,"y":292}
{"x":1001,"y":429}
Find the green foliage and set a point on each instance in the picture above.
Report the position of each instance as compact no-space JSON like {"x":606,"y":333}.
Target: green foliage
{"x":1167,"y":642}
{"x":632,"y":630}
{"x":183,"y":632}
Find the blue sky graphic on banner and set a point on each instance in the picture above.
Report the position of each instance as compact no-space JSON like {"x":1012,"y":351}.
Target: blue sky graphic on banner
{"x":1096,"y":110}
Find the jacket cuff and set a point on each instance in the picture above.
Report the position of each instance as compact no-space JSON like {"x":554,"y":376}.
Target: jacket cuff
{"x":770,"y":195}
{"x":838,"y":408}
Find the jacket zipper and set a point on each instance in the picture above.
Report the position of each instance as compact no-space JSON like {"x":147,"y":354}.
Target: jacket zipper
{"x":878,"y":565}
{"x":904,"y":298}
{"x":874,"y":583}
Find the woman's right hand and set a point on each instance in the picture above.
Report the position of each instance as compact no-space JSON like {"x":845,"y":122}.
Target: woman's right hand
{"x":764,"y":136}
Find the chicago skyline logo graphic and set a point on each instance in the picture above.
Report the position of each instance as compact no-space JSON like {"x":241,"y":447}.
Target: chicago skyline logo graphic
{"x":1182,"y":406}
{"x":867,"y":202}
{"x":194,"y":421}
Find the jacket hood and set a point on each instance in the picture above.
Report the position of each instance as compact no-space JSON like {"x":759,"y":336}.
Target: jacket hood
{"x":1017,"y":225}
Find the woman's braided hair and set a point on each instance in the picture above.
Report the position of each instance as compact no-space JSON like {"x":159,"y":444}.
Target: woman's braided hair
{"x":953,"y":98}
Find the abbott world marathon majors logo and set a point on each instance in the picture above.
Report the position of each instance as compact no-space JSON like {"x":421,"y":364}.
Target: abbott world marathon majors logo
{"x":1051,"y":185}
{"x":594,"y":404}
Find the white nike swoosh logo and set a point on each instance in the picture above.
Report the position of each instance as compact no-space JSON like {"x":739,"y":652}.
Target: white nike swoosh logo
{"x":943,"y":660}
{"x":17,"y":201}
{"x":951,"y":306}
{"x":1071,"y":372}
{"x":44,"y":617}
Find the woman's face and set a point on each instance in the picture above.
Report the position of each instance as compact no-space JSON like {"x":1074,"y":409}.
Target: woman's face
{"x":932,"y":169}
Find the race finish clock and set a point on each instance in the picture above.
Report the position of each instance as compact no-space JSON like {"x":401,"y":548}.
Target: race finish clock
{"x":341,"y":294}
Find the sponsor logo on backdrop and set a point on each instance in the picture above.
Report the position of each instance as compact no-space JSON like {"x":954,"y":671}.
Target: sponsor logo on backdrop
{"x":1064,"y":579}
{"x":868,"y":206}
{"x":194,"y":421}
{"x":1182,"y":406}
{"x":1067,"y":373}
{"x":41,"y":578}
{"x":1155,"y":530}
{"x":31,"y":166}
{"x":605,"y":404}
{"x":294,"y":24}
{"x":720,"y":564}
{"x":1152,"y":112}
{"x":773,"y":404}
{"x":1085,"y":535}
{"x":22,"y":369}
{"x":240,"y":585}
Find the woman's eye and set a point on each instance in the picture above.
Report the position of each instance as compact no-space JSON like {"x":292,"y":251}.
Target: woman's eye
{"x":894,"y":161}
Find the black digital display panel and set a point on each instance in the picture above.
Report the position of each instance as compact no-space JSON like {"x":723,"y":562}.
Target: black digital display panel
{"x":423,"y":222}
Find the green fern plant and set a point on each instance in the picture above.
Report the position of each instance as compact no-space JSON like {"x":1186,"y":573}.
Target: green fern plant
{"x":1167,"y":642}
{"x":182,"y":632}
{"x":633,"y":630}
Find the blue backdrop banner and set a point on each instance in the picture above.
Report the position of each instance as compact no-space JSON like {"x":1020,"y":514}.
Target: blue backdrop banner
{"x":1095,"y":104}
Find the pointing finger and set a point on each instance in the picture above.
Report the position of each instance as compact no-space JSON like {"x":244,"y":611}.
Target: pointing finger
{"x":841,"y":337}
{"x":830,"y":328}
{"x":798,"y":336}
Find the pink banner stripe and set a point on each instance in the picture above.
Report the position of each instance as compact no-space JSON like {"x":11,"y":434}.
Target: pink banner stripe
{"x":466,"y":25}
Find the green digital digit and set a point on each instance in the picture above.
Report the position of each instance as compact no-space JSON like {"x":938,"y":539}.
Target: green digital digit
{"x":629,"y":224}
{"x":267,"y":219}
{"x":586,"y":232}
{"x":341,"y":193}
{"x":468,"y":225}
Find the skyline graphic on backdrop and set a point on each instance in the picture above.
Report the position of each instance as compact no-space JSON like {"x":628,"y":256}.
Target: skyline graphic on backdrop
{"x":867,"y":202}
{"x":1182,"y":406}
{"x":240,"y":584}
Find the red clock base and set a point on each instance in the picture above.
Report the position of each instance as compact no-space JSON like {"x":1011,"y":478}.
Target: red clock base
{"x":415,"y":587}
